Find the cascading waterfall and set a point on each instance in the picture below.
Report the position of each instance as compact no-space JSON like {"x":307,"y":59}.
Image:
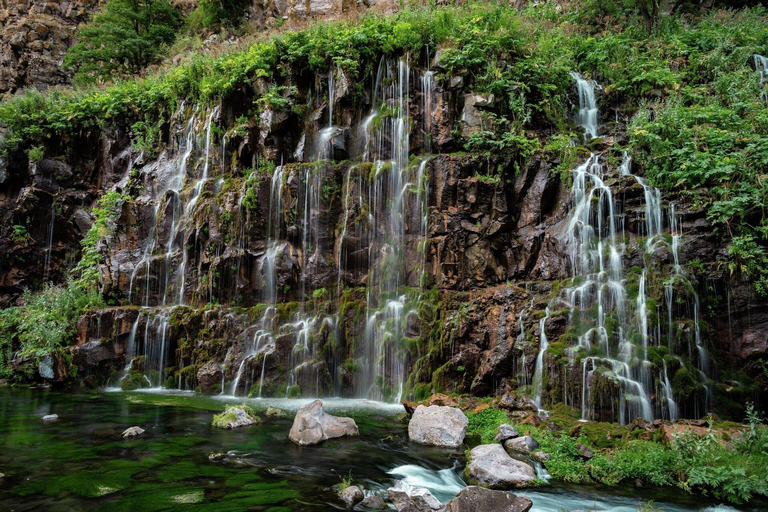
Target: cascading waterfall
{"x":158,"y":280}
{"x":761,"y":65}
{"x":49,"y":242}
{"x":614,"y":334}
{"x":538,"y":374}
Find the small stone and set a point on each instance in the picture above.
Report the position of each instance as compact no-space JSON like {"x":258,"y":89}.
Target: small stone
{"x":2,"y":475}
{"x":584,"y":451}
{"x":351,"y":495}
{"x":133,"y":432}
{"x":505,"y":431}
{"x":525,"y":444}
{"x":541,"y":456}
{"x":374,"y":502}
{"x":51,"y":417}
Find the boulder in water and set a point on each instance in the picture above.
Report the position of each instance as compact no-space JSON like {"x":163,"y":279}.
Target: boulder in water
{"x":235,"y":416}
{"x":412,"y":499}
{"x":480,"y":499}
{"x":351,"y":495}
{"x":51,"y":417}
{"x":505,"y":431}
{"x":525,"y":444}
{"x":312,"y":426}
{"x":133,"y":432}
{"x":373,"y":502}
{"x":438,"y":426}
{"x":491,"y":465}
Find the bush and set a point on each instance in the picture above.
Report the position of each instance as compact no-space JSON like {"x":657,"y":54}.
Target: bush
{"x":123,"y":39}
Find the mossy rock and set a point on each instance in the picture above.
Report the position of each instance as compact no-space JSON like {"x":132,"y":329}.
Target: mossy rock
{"x":134,"y":381}
{"x":235,"y":416}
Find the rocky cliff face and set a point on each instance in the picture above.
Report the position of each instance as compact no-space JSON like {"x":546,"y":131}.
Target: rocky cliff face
{"x":35,"y":37}
{"x":355,"y":250}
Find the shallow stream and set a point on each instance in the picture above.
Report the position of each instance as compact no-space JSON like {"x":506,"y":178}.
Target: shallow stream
{"x":80,"y":462}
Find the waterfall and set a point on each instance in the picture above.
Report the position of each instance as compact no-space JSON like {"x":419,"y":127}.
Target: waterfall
{"x":761,"y":65}
{"x":587,"y":116}
{"x":427,"y":107}
{"x":49,"y":242}
{"x":614,"y":334}
{"x":538,"y":374}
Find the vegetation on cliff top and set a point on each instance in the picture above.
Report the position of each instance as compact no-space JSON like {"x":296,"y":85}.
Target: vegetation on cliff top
{"x":699,"y":125}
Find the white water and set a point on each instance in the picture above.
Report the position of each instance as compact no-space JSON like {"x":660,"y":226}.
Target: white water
{"x":761,"y":64}
{"x":538,"y":374}
{"x":587,"y":116}
{"x":445,"y":484}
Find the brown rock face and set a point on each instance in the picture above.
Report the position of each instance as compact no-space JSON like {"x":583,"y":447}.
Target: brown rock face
{"x":34,"y":39}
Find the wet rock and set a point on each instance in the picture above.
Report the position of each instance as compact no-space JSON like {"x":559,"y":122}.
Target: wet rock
{"x":479,"y":499}
{"x":540,"y":456}
{"x":442,"y":400}
{"x":515,"y":402}
{"x":209,"y":378}
{"x":351,"y":495}
{"x":412,"y":499}
{"x":504,"y":432}
{"x":584,"y":451}
{"x":235,"y":416}
{"x":491,"y":465}
{"x":373,"y":502}
{"x":525,"y":444}
{"x":274,"y":412}
{"x":438,"y":426}
{"x":409,"y":407}
{"x":133,"y":432}
{"x":51,"y":417}
{"x":312,"y":426}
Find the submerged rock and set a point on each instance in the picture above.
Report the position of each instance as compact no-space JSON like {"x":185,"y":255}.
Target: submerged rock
{"x":235,"y":416}
{"x":51,"y":417}
{"x":133,"y":432}
{"x":412,"y":499}
{"x":491,"y":465}
{"x":351,"y":495}
{"x":525,"y":444}
{"x":274,"y":412}
{"x":312,"y":425}
{"x":438,"y":426}
{"x":479,"y":499}
{"x":505,"y":431}
{"x":374,"y":502}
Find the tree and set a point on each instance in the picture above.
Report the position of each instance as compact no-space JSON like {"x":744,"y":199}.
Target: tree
{"x":123,"y":39}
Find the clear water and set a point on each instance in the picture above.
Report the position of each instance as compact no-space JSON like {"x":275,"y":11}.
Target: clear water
{"x":81,"y":463}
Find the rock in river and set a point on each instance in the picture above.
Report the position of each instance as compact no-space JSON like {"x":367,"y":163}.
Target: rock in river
{"x":480,"y":499}
{"x":489,"y":464}
{"x":313,"y":426}
{"x":438,"y":426}
{"x":351,"y":495}
{"x":235,"y":416}
{"x":406,"y":498}
{"x":133,"y":432}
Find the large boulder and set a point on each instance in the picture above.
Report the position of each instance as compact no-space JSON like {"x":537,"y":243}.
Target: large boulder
{"x":480,"y":499}
{"x":406,"y":498}
{"x":437,"y":425}
{"x":351,"y":495}
{"x":490,"y":465}
{"x":312,"y":425}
